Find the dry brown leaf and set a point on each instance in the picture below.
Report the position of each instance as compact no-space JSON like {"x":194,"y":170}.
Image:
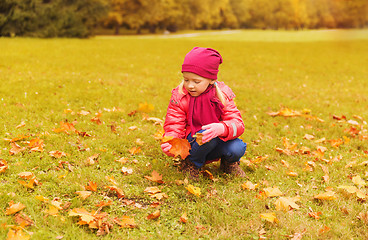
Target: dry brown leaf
{"x":199,"y":137}
{"x":57,"y":154}
{"x":23,"y":220}
{"x":315,"y":215}
{"x":119,"y":192}
{"x":15,"y":148}
{"x":104,"y":204}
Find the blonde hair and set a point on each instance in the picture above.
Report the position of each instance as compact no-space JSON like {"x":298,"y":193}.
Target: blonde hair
{"x":219,"y":93}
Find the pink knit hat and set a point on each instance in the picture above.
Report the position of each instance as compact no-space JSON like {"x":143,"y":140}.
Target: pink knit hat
{"x":202,"y":61}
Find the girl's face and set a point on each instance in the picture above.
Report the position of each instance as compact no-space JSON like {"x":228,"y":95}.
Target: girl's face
{"x":196,"y":84}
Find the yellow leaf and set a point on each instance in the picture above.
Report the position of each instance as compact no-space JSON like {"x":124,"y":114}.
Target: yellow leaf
{"x":328,"y":195}
{"x":42,"y":198}
{"x":194,"y":190}
{"x":14,"y":207}
{"x":352,"y":190}
{"x":145,"y":107}
{"x":125,"y":222}
{"x":85,"y":216}
{"x":357,"y":180}
{"x":84,"y":194}
{"x":199,"y":137}
{"x":270,"y":217}
{"x":285,"y":203}
{"x":17,"y":234}
{"x":52,"y":210}
{"x":29,"y":184}
{"x":272,"y":192}
{"x":248,"y":185}
{"x":152,"y":190}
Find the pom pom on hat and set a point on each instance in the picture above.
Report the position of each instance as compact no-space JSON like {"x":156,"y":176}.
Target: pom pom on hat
{"x":203,"y":62}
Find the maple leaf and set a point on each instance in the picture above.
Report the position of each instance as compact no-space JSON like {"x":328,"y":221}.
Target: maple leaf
{"x":156,"y":214}
{"x":159,"y":196}
{"x":84,"y":215}
{"x":41,"y":198}
{"x":104,"y":204}
{"x":159,"y":135}
{"x":3,"y":165}
{"x":96,"y":120}
{"x":92,"y":186}
{"x":328,"y":195}
{"x":145,"y":107}
{"x":52,"y":210}
{"x":23,"y":220}
{"x":357,"y":180}
{"x":156,"y":177}
{"x":15,"y":148}
{"x":315,"y":215}
{"x":21,"y":137}
{"x":269,"y":217}
{"x":92,"y":159}
{"x":184,"y":218}
{"x":272,"y":191}
{"x":84,"y":194}
{"x":249,"y":185}
{"x":57,"y":154}
{"x":29,"y":184}
{"x":152,"y":190}
{"x":199,"y":137}
{"x":179,"y":147}
{"x":323,"y":230}
{"x":17,"y":234}
{"x":36,"y":145}
{"x":118,"y":191}
{"x":14,"y":207}
{"x":135,"y":150}
{"x":194,"y":190}
{"x":352,"y":190}
{"x":65,"y":127}
{"x":287,"y":203}
{"x":125,"y":222}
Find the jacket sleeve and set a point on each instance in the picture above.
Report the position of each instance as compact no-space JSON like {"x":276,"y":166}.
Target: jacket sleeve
{"x":231,"y":116}
{"x":175,"y":121}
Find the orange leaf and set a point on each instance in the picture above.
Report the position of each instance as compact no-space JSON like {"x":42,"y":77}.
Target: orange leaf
{"x":125,"y":222}
{"x":119,"y":192}
{"x":84,"y":194}
{"x":145,"y":107}
{"x":92,"y":159}
{"x":14,"y":207}
{"x":152,"y":190}
{"x":135,"y":150}
{"x":17,"y":234}
{"x":96,"y":120}
{"x":91,"y":186}
{"x":199,"y":137}
{"x":154,"y":215}
{"x":315,"y":215}
{"x":323,"y":230}
{"x":23,"y":220}
{"x":179,"y":147}
{"x":249,"y":185}
{"x":36,"y":145}
{"x":156,"y":177}
{"x":57,"y":154}
{"x":184,"y":218}
{"x":84,"y":215}
{"x":104,"y":204}
{"x":15,"y":148}
{"x":29,"y":184}
{"x":329,"y":195}
{"x":3,"y":165}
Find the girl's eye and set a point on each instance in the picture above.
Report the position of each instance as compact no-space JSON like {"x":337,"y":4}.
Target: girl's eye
{"x":197,"y":82}
{"x":185,"y":80}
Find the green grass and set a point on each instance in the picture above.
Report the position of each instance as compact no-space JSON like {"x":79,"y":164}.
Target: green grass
{"x":40,"y":79}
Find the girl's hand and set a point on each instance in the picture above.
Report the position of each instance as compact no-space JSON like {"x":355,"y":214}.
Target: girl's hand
{"x":212,"y":130}
{"x":165,"y":148}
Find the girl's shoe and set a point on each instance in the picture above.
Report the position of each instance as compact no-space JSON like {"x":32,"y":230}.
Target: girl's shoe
{"x":233,"y":169}
{"x":187,"y":167}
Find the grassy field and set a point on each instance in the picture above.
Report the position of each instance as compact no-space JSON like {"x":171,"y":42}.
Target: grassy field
{"x":324,"y":146}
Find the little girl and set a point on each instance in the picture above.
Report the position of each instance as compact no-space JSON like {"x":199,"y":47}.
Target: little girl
{"x":203,"y":104}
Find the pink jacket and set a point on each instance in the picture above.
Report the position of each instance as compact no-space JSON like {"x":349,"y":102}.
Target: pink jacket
{"x":176,"y":123}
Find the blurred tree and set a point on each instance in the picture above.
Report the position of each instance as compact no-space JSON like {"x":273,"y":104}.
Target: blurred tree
{"x":50,"y":18}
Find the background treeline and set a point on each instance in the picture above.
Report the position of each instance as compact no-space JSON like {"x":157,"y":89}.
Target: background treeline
{"x":80,"y":18}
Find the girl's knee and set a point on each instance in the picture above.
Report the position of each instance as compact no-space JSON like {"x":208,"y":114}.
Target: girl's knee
{"x":236,"y":150}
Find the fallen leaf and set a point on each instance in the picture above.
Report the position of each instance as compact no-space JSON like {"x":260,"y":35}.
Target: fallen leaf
{"x":328,"y":195}
{"x":57,"y":154}
{"x":156,"y":177}
{"x":194,"y":190}
{"x":27,"y":184}
{"x":357,"y":180}
{"x":84,"y":194}
{"x":125,"y":222}
{"x":154,"y":215}
{"x":145,"y":107}
{"x":159,"y":196}
{"x":92,"y":186}
{"x":184,"y":218}
{"x":52,"y":210}
{"x":315,"y":215}
{"x":15,"y":148}
{"x":248,"y":185}
{"x":287,"y":203}
{"x":84,"y":215}
{"x":272,"y":191}
{"x":14,"y":207}
{"x":3,"y":165}
{"x":96,"y":120}
{"x":270,"y":217}
{"x":104,"y":204}
{"x":119,"y":192}
{"x":126,"y":170}
{"x":352,"y":190}
{"x":323,"y":230}
{"x":92,"y":159}
{"x":23,"y":220}
{"x":135,"y":150}
{"x":207,"y":174}
{"x":17,"y":234}
{"x":36,"y":145}
{"x":152,"y":190}
{"x":42,"y":198}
